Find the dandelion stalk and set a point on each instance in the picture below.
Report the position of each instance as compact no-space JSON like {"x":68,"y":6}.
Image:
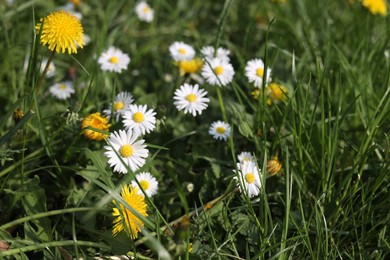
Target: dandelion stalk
{"x":43,"y":75}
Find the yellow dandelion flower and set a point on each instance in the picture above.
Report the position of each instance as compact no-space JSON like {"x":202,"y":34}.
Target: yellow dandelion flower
{"x":257,"y":93}
{"x":62,"y":31}
{"x":125,"y":219}
{"x":190,"y":66}
{"x":18,"y":114}
{"x":96,"y":121}
{"x":273,"y":166}
{"x":376,"y":6}
{"x":276,"y":92}
{"x":75,"y":2}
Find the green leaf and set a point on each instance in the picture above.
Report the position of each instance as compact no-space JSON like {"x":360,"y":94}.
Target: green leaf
{"x":33,"y":202}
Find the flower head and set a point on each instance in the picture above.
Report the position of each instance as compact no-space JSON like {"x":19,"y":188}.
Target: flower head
{"x":209,"y":53}
{"x":181,"y":51}
{"x":113,"y":60}
{"x":124,"y":149}
{"x":191,"y":99}
{"x":147,"y":182}
{"x":220,"y":130}
{"x":376,"y":6}
{"x":273,"y":166}
{"x":218,"y":72}
{"x":248,"y":177}
{"x":125,"y":219}
{"x":144,"y":12}
{"x":50,"y":71}
{"x":254,"y":71}
{"x":190,"y":66}
{"x":95,"y":121}
{"x":61,"y":31}
{"x":62,"y":90}
{"x":276,"y":92}
{"x":121,"y":103}
{"x":245,"y":157}
{"x":139,"y":120}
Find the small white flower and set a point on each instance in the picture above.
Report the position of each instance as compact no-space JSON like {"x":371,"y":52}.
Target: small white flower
{"x":113,"y":60}
{"x":147,"y":182}
{"x":220,"y":130}
{"x":144,"y":12}
{"x":254,"y":71}
{"x":124,"y":145}
{"x":50,"y":71}
{"x":245,"y":156}
{"x":218,"y":72}
{"x":87,"y":39}
{"x":70,"y":8}
{"x":139,"y":120}
{"x":122,"y":101}
{"x":209,"y":53}
{"x":191,"y":99}
{"x":181,"y":51}
{"x":62,"y":90}
{"x":249,"y":177}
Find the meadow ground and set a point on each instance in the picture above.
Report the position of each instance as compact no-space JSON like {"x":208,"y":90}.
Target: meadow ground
{"x":179,"y":129}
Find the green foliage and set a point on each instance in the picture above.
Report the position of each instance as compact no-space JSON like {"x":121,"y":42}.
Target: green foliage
{"x":331,"y":198}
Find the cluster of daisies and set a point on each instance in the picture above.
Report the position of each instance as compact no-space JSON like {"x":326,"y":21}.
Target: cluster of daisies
{"x":126,"y":149}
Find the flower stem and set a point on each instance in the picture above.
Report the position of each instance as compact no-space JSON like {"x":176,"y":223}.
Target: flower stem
{"x":43,"y":75}
{"x":221,"y":104}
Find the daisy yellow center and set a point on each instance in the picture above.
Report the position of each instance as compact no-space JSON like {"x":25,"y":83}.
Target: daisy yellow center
{"x":250,"y":178}
{"x":146,"y":10}
{"x":126,"y":150}
{"x":114,"y":60}
{"x":191,"y":97}
{"x":260,"y":72}
{"x":144,"y":184}
{"x":138,"y":117}
{"x":182,"y":51}
{"x":62,"y":86}
{"x":118,"y":106}
{"x":220,"y":129}
{"x":218,"y":70}
{"x":61,"y":31}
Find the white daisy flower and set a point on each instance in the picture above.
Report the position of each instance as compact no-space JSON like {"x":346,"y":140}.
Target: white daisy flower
{"x":181,"y":51}
{"x":70,"y":8}
{"x":113,"y":60}
{"x":218,"y":72}
{"x":148,"y":183}
{"x":209,"y":53}
{"x":249,"y":177}
{"x":220,"y":130}
{"x":245,"y":156}
{"x":87,"y":40}
{"x":122,"y":101}
{"x":62,"y":90}
{"x":254,"y":71}
{"x":139,"y":120}
{"x":124,"y":145}
{"x":144,"y":12}
{"x":191,"y":99}
{"x":50,"y":71}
